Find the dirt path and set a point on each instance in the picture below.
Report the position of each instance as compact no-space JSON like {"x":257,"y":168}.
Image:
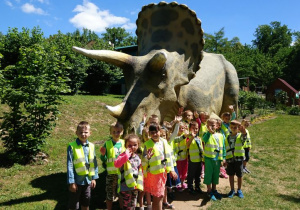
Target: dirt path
{"x":184,"y":200}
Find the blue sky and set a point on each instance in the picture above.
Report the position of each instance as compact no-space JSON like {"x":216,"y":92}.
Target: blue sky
{"x":240,"y":18}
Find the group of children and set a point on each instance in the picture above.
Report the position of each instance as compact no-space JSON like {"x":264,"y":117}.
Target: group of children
{"x":160,"y":158}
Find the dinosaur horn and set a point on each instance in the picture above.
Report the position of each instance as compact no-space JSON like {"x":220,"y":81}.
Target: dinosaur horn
{"x":158,"y":61}
{"x":116,"y":111}
{"x":112,"y":57}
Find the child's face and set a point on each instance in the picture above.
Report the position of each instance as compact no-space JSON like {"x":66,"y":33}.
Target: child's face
{"x":226,"y":119}
{"x":234,"y":129}
{"x":182,"y":129}
{"x":194,"y":129}
{"x":83,"y":134}
{"x":189,"y":116}
{"x":246,"y":124}
{"x":154,"y":135}
{"x":203,"y":118}
{"x":218,"y":125}
{"x":116,"y":133}
{"x":212,"y":125}
{"x":163,"y":134}
{"x":133,"y":144}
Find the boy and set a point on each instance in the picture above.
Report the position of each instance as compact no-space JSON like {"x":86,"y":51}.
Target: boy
{"x":195,"y":150}
{"x":247,"y":146}
{"x":109,"y":152}
{"x":214,"y":153}
{"x":226,"y":118}
{"x":82,"y":169}
{"x":235,"y":155}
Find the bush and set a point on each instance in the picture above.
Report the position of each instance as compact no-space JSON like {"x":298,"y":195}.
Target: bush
{"x":294,"y":110}
{"x":31,"y":89}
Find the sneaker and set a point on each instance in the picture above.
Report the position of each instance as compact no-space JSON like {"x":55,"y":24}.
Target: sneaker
{"x":180,"y":189}
{"x":168,"y":206}
{"x":184,"y":186}
{"x":217,"y":194}
{"x":212,"y":196}
{"x":149,"y":207}
{"x":247,"y":171}
{"x":240,"y":194}
{"x":231,"y":194}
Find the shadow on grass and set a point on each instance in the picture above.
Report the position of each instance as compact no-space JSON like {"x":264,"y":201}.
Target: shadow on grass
{"x":57,"y":189}
{"x":295,"y":199}
{"x":5,"y":162}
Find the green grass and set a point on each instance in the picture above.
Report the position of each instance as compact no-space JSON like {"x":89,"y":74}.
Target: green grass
{"x":273,"y":184}
{"x":275,"y":181}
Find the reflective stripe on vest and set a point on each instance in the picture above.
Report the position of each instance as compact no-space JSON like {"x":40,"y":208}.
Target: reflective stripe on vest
{"x":238,"y":148}
{"x":111,"y":156}
{"x":155,"y":165}
{"x":131,"y":182}
{"x":195,"y":152}
{"x":79,"y":162}
{"x":211,"y":146}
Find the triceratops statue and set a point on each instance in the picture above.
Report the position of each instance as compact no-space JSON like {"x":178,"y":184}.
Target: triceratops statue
{"x":171,"y":69}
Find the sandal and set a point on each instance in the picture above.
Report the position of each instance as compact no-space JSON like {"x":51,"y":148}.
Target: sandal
{"x":168,"y":206}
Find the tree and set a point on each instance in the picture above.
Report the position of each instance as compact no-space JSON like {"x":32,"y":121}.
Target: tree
{"x":31,"y":89}
{"x":271,"y":38}
{"x":118,"y":37}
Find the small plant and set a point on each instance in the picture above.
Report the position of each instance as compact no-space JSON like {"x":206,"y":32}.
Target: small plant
{"x":294,"y":110}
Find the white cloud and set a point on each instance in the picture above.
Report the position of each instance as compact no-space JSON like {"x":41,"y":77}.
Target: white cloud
{"x":29,"y":8}
{"x":91,"y":17}
{"x":8,"y":3}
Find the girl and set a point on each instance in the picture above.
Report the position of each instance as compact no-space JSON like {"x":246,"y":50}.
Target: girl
{"x":131,"y":177}
{"x":157,"y":162}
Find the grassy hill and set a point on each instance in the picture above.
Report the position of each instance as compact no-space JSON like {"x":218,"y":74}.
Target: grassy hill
{"x":273,"y":184}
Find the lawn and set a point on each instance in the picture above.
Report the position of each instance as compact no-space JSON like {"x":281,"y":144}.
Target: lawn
{"x":273,"y":184}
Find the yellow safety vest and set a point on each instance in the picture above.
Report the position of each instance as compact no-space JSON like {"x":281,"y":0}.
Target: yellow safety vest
{"x":131,"y":182}
{"x":238,"y":148}
{"x":182,"y":150}
{"x":79,"y":159}
{"x":203,"y":129}
{"x":211,"y":147}
{"x":155,"y":165}
{"x":248,"y":141}
{"x":225,"y":130}
{"x":195,"y":152}
{"x":111,"y":156}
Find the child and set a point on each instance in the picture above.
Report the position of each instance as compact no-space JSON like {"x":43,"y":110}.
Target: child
{"x":247,"y":146}
{"x":214,"y":152}
{"x":195,"y":151}
{"x":226,"y":118}
{"x":182,"y":162}
{"x":131,"y":177}
{"x":82,"y":169}
{"x":109,"y":152}
{"x":157,"y":160}
{"x":235,"y":156}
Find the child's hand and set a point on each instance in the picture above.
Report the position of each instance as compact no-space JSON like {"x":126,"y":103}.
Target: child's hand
{"x":73,"y":187}
{"x":210,"y":129}
{"x":242,"y":129}
{"x":173,"y":175}
{"x":150,"y":153}
{"x":93,"y":184}
{"x":178,"y":119}
{"x":196,"y":114}
{"x":231,"y":108}
{"x":129,"y":151}
{"x":144,"y":117}
{"x":102,"y":151}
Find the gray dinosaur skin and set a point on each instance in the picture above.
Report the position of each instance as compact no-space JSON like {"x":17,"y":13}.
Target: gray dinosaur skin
{"x":214,"y":87}
{"x":161,"y":82}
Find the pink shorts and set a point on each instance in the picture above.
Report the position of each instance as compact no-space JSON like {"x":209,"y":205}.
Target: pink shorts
{"x":155,"y":184}
{"x":182,"y":166}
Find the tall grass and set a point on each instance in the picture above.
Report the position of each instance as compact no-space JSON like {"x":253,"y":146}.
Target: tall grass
{"x":273,"y":184}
